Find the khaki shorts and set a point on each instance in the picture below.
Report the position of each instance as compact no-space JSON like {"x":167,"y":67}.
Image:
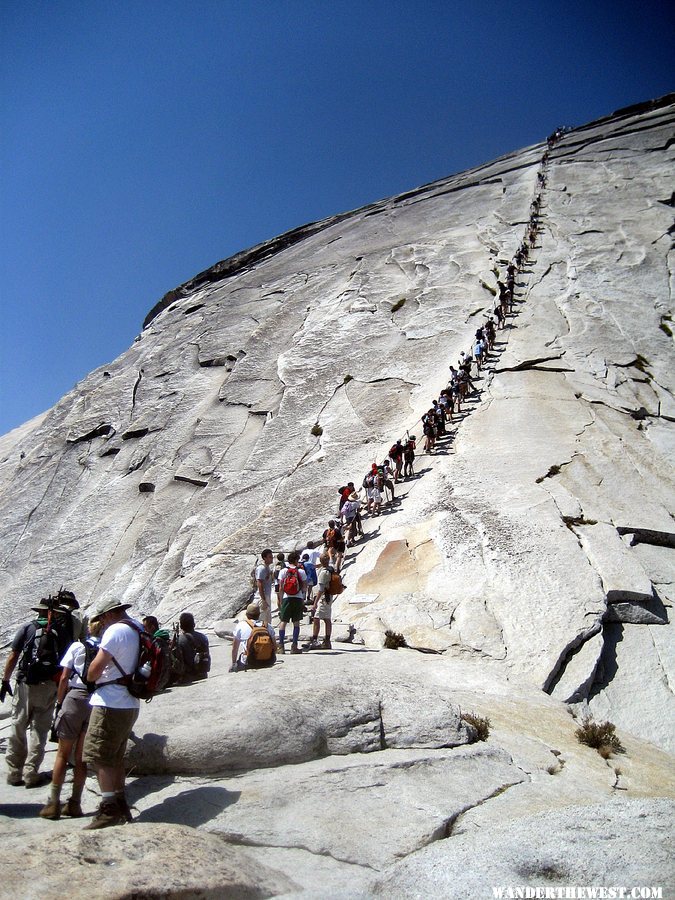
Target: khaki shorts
{"x":74,"y":715}
{"x":107,"y":735}
{"x":323,"y":610}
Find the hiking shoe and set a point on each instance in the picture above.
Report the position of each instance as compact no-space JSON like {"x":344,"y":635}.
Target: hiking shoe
{"x":72,"y":808}
{"x":39,"y":780}
{"x":295,"y":649}
{"x":108,"y":814}
{"x":15,"y":779}
{"x":51,"y":811}
{"x":125,"y":809}
{"x":310,"y":645}
{"x":326,"y":645}
{"x":281,"y":648}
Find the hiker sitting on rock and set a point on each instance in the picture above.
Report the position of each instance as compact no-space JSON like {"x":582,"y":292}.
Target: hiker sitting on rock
{"x":193,"y":646}
{"x":253,"y":646}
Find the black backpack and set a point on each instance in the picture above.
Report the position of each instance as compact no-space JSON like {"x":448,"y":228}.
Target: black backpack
{"x":91,"y":648}
{"x":44,"y":648}
{"x":202,"y":663}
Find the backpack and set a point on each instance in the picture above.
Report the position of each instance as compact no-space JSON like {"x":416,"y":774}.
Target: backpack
{"x":41,"y":657}
{"x":202,"y":665}
{"x":261,"y":650}
{"x":394,"y":451}
{"x":46,"y":642}
{"x":292,"y":584}
{"x":91,"y":648}
{"x":153,"y":669}
{"x":335,"y":585}
{"x":332,"y":537}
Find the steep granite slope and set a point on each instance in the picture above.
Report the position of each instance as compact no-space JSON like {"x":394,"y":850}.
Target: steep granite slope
{"x":531,"y":558}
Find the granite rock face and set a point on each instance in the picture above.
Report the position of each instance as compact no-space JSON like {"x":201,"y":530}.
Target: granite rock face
{"x":531,"y":558}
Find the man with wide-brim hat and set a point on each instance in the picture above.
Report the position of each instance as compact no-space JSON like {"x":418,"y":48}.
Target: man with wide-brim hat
{"x":114,"y":710}
{"x":37,"y":648}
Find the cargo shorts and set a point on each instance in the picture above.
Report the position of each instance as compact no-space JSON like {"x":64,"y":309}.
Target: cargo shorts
{"x":107,"y":735}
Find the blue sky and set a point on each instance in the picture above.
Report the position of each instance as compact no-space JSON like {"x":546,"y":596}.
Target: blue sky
{"x":141,"y":142}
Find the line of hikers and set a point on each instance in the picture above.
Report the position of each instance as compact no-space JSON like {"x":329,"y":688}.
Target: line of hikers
{"x":84,"y":680}
{"x":295,"y":577}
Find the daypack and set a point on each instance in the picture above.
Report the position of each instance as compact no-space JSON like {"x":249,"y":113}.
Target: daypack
{"x":177,"y":661}
{"x":91,"y":648}
{"x":261,"y":650}
{"x":202,"y":664}
{"x":47,"y":641}
{"x":332,"y":537}
{"x":335,"y":585}
{"x":292,"y":585}
{"x":42,"y":653}
{"x":310,"y":569}
{"x":153,"y":669}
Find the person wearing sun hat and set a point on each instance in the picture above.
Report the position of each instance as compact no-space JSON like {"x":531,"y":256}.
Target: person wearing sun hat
{"x":114,"y":710}
{"x":37,"y":648}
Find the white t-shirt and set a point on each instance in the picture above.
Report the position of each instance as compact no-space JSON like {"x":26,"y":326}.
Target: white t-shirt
{"x":243,"y":633}
{"x":313,"y":554}
{"x":264,"y":573}
{"x":122,"y":641}
{"x":302,"y":577}
{"x":73,"y":659}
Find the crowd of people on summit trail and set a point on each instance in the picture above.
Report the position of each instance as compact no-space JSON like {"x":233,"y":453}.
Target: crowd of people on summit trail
{"x":82,"y":681}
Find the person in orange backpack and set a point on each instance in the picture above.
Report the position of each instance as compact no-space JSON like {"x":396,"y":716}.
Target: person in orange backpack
{"x":246,"y":634}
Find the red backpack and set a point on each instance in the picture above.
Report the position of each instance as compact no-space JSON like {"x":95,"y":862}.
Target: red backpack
{"x":292,"y":585}
{"x":153,"y":669}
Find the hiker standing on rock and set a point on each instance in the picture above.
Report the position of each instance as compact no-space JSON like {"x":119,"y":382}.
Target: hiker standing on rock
{"x":38,"y":648}
{"x":263,"y":583}
{"x":322,"y":609}
{"x":72,"y":701}
{"x":114,"y":711}
{"x":292,"y":586}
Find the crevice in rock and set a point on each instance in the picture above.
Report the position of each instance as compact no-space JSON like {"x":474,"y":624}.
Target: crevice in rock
{"x":242,"y":841}
{"x":533,"y":363}
{"x":568,"y":653}
{"x":196,"y":480}
{"x":134,"y":433}
{"x":102,"y":430}
{"x":451,"y":824}
{"x":135,"y":389}
{"x":192,"y":309}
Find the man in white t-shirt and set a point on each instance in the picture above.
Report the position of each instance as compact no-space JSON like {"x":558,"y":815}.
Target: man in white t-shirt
{"x":263,"y":583}
{"x":241,"y":635}
{"x":114,"y":710}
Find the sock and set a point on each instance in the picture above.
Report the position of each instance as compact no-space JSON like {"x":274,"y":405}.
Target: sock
{"x":55,"y":793}
{"x":282,"y":636}
{"x":76,"y":794}
{"x":296,"y":633}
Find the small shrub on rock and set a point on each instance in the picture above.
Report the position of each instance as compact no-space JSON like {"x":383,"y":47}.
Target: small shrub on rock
{"x":599,"y":735}
{"x":393,"y":640}
{"x":316,"y":430}
{"x":480,"y":724}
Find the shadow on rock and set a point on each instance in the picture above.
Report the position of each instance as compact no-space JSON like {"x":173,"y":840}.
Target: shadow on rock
{"x":193,"y":807}
{"x":20,"y":810}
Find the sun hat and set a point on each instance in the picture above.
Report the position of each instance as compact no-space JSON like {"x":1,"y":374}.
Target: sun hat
{"x":108,"y":606}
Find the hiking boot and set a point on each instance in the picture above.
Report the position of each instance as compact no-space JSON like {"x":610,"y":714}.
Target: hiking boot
{"x":310,"y":645}
{"x":125,"y":809}
{"x":326,"y":645}
{"x":15,"y":779}
{"x":108,"y":814}
{"x":281,"y":648}
{"x":295,"y":649}
{"x":39,"y":780}
{"x":72,"y":808}
{"x":51,"y":811}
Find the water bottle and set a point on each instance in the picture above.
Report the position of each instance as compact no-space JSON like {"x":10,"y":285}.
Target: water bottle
{"x":145,"y":670}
